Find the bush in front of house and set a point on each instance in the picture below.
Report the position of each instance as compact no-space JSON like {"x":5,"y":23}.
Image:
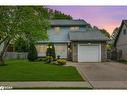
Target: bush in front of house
{"x":32,"y":53}
{"x":61,"y":61}
{"x":48,"y":59}
{"x":51,"y":51}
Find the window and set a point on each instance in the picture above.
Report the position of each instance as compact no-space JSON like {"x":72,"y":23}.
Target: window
{"x":124,"y":32}
{"x":41,"y":49}
{"x":74,"y":28}
{"x":57,"y":29}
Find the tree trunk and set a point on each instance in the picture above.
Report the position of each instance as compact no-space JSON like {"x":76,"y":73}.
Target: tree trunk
{"x":1,"y":61}
{"x":3,"y":40}
{"x":6,"y":43}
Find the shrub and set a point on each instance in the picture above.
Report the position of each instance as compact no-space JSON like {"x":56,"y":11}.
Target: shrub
{"x":61,"y":61}
{"x":48,"y":59}
{"x":51,"y":51}
{"x":32,"y":53}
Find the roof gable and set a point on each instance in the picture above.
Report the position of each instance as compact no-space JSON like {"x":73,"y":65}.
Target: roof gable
{"x":124,"y":22}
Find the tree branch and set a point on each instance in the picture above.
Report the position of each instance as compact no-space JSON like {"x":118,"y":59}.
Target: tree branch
{"x":3,"y":40}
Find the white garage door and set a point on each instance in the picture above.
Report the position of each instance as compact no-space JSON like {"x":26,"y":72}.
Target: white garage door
{"x":89,"y":53}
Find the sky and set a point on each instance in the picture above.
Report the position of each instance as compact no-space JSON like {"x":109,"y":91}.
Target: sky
{"x":107,"y":17}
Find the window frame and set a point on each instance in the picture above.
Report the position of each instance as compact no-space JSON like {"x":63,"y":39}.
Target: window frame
{"x":74,"y":28}
{"x":124,"y":31}
{"x":57,"y":29}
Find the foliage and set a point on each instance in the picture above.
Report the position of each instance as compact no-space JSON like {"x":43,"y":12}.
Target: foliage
{"x":114,"y":34}
{"x":32,"y":53}
{"x":21,"y":45}
{"x":105,"y":33}
{"x":51,"y":51}
{"x":28,"y":22}
{"x":48,"y":59}
{"x":61,"y":61}
{"x":54,"y":14}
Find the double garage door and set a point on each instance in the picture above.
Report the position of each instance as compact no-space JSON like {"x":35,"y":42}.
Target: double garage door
{"x":89,"y":53}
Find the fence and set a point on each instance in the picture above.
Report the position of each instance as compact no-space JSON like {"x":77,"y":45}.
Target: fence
{"x":114,"y":55}
{"x":16,"y":55}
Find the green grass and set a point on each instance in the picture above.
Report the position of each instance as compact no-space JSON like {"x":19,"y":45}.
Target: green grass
{"x":123,"y":61}
{"x":23,"y":70}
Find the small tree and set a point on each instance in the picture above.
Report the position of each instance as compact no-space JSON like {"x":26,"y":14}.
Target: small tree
{"x":32,"y":53}
{"x":51,"y":51}
{"x":29,"y":22}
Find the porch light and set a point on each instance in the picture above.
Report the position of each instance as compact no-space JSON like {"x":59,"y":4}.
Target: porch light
{"x":49,"y":46}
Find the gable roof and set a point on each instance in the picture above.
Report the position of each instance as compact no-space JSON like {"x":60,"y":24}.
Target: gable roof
{"x":117,"y":36}
{"x":89,"y":35}
{"x":68,"y":22}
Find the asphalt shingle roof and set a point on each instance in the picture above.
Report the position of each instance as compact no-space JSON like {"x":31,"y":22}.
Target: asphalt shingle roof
{"x":68,"y":22}
{"x":91,"y":35}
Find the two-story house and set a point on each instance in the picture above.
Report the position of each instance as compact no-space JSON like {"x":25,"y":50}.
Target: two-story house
{"x":73,"y":40}
{"x":120,"y":42}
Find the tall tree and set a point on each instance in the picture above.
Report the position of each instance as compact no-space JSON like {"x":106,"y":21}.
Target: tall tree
{"x":21,"y":45}
{"x":105,"y":32}
{"x":21,"y":21}
{"x":54,"y":14}
{"x":114,"y":33}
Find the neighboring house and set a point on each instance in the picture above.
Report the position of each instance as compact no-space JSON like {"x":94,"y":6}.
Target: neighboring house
{"x":121,"y":41}
{"x":75,"y":41}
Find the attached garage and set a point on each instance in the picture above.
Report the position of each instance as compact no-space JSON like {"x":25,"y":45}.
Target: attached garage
{"x":89,"y":53}
{"x":88,"y":46}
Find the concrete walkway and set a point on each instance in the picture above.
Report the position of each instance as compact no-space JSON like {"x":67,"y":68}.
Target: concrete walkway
{"x":46,"y":84}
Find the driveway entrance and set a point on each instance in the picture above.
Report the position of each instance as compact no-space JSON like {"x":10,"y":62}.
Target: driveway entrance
{"x":105,"y":75}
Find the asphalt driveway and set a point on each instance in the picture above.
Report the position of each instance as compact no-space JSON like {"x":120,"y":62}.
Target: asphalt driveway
{"x":105,"y":75}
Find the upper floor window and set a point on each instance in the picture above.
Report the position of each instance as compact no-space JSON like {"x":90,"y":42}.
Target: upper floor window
{"x":74,"y":28}
{"x":124,"y":31}
{"x":57,"y":29}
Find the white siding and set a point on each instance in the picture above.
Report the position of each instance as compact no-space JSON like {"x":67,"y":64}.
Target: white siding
{"x":122,"y":43}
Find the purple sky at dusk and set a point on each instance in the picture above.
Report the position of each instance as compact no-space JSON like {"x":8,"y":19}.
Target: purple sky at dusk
{"x":107,"y":17}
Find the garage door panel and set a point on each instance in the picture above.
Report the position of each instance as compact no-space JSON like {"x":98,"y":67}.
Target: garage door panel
{"x":88,"y":53}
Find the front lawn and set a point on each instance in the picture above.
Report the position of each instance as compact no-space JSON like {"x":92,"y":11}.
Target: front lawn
{"x":23,"y":70}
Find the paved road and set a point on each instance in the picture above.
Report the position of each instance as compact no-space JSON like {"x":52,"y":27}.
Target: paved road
{"x":105,"y":75}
